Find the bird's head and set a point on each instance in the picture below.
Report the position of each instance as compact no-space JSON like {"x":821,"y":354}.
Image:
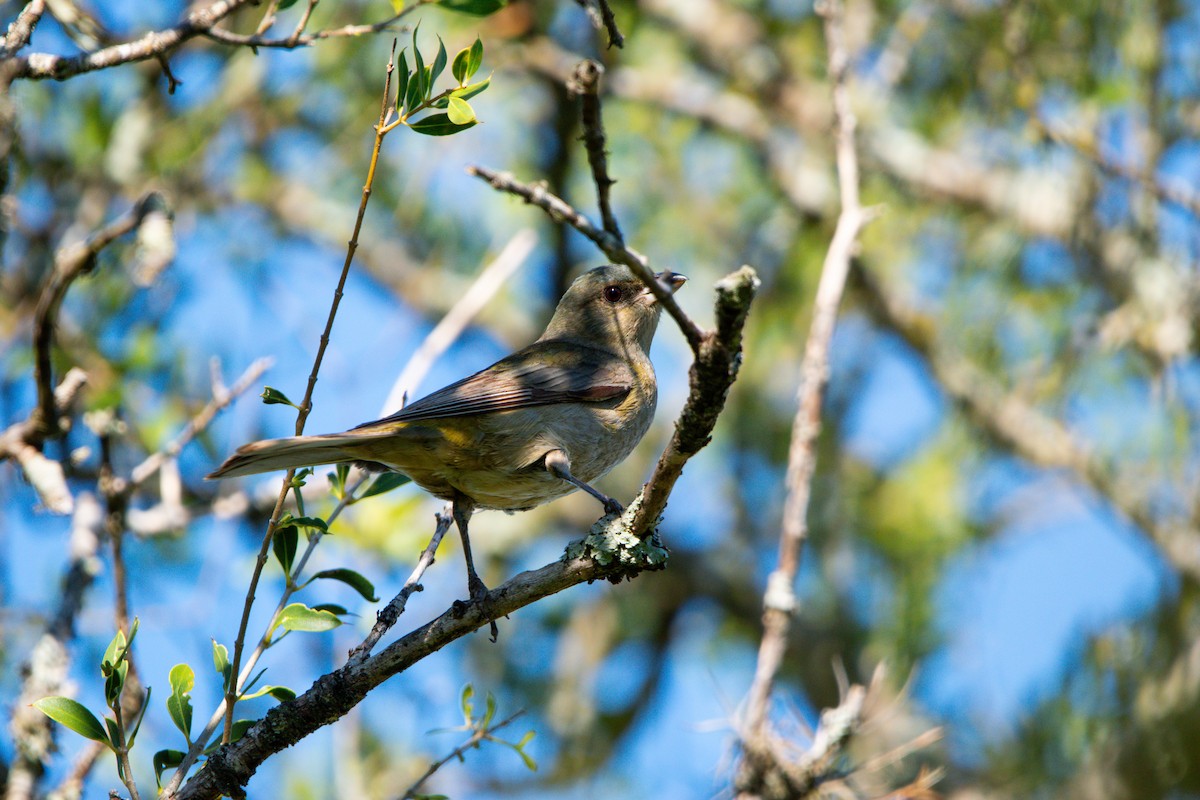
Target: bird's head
{"x":611,"y":308}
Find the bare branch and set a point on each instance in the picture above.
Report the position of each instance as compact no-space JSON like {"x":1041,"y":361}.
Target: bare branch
{"x":561,"y":211}
{"x":386,"y":618}
{"x":602,"y":16}
{"x":779,"y":600}
{"x":305,"y":39}
{"x":585,"y":82}
{"x":21,"y":28}
{"x":41,"y":66}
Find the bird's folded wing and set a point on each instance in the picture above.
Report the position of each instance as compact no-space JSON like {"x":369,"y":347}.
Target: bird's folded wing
{"x":541,"y":374}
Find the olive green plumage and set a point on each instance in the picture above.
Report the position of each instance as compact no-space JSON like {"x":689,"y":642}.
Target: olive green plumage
{"x":530,"y":428}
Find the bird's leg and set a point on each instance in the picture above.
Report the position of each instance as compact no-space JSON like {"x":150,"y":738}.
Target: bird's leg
{"x":462,"y":515}
{"x":558,"y":465}
{"x":462,"y":508}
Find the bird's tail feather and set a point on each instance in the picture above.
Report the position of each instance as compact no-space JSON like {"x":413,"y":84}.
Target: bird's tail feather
{"x":296,"y":451}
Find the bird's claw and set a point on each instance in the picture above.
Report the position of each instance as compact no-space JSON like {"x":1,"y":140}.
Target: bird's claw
{"x":613,"y":507}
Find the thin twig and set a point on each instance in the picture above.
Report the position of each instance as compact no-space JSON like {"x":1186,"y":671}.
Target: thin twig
{"x":585,"y":82}
{"x":220,"y":401}
{"x":69,"y":264}
{"x":388,"y":616}
{"x":305,"y":39}
{"x":561,"y":211}
{"x":21,"y":29}
{"x":455,"y":321}
{"x":477,"y":736}
{"x":779,"y":599}
{"x":306,"y":404}
{"x":303,"y":21}
{"x":43,"y":66}
{"x":602,"y":16}
{"x":44,"y":474}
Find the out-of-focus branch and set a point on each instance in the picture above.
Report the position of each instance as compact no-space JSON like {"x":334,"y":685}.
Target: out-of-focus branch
{"x":227,"y":770}
{"x":41,"y":66}
{"x":761,"y":761}
{"x":480,"y":734}
{"x":300,"y":39}
{"x":561,"y":211}
{"x":450,"y":327}
{"x":21,"y":28}
{"x":47,"y":670}
{"x":45,"y":474}
{"x":602,"y":16}
{"x":1020,"y":426}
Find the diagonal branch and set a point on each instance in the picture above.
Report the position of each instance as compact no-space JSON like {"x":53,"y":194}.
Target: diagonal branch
{"x":585,"y":82}
{"x":21,"y":29}
{"x":42,"y":66}
{"x":561,"y":211}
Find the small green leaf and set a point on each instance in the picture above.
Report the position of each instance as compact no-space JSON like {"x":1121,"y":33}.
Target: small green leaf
{"x":467,"y":92}
{"x":179,"y":704}
{"x":284,"y":4}
{"x":299,"y":617}
{"x":273,"y":397}
{"x":459,"y":67}
{"x":352,"y":579}
{"x":438,"y":125}
{"x":385,"y":483}
{"x":526,"y":739}
{"x":165,"y":760}
{"x":114,"y":733}
{"x":141,"y":718}
{"x":113,"y":653}
{"x":115,"y":683}
{"x":401,"y":82}
{"x":220,"y":658}
{"x":475,"y":59}
{"x":460,"y":112}
{"x":332,"y":608}
{"x":337,"y":480}
{"x":280,"y":693}
{"x":439,"y":62}
{"x":530,"y":764}
{"x":283,"y":544}
{"x":240,"y":726}
{"x":303,"y":522}
{"x":418,"y":68}
{"x":73,"y":715}
{"x":468,"y":708}
{"x":490,"y":710}
{"x":397,"y":6}
{"x":476,"y":8}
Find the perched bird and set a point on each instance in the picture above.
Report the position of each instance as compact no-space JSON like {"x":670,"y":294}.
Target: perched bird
{"x":534,"y":426}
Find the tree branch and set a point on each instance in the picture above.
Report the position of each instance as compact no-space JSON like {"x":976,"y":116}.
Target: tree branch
{"x":585,"y":82}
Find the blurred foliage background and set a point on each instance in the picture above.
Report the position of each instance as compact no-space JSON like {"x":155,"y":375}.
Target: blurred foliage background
{"x":1006,"y":506}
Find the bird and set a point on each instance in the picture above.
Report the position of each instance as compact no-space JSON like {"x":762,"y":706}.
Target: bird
{"x":536,"y":425}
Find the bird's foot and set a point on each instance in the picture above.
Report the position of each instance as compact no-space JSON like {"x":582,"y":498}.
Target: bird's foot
{"x":611,"y":506}
{"x":479,"y":596}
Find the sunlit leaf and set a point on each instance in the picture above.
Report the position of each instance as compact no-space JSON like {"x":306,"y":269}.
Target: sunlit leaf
{"x":299,"y":617}
{"x":438,"y":125}
{"x":73,"y":715}
{"x":460,"y":112}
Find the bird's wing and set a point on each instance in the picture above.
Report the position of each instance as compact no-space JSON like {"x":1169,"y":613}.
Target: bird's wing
{"x":541,"y":374}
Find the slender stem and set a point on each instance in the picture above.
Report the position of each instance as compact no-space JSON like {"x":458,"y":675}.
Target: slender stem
{"x":306,"y":404}
{"x":477,"y":736}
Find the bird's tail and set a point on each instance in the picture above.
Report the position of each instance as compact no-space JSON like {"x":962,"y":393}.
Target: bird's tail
{"x":296,"y":451}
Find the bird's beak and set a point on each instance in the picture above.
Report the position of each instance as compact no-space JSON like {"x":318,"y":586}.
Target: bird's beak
{"x":670,"y":280}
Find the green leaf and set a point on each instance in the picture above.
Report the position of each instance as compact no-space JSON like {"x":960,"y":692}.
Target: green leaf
{"x":459,"y":68}
{"x":438,"y":125}
{"x":283,"y":544}
{"x":468,"y":708}
{"x":397,"y":6}
{"x":337,"y":480}
{"x":467,"y":92}
{"x":460,"y":112}
{"x":477,"y":8}
{"x":115,"y":682}
{"x":299,"y":617}
{"x":490,"y":711}
{"x":332,"y":608}
{"x":179,"y":704}
{"x":165,"y":760}
{"x":113,"y":653}
{"x":304,"y":522}
{"x":401,"y":82}
{"x":141,"y":718}
{"x":114,"y":733}
{"x":526,"y":739}
{"x":385,"y":483}
{"x":273,"y":397}
{"x":418,"y":68}
{"x":352,"y":579}
{"x":73,"y":715}
{"x":475,"y":59}
{"x":439,"y":62}
{"x":283,"y":4}
{"x":413,"y":96}
{"x":530,"y":764}
{"x":221,"y":662}
{"x":280,"y":693}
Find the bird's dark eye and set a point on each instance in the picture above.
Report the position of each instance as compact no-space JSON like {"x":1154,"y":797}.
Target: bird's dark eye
{"x":613,"y":294}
